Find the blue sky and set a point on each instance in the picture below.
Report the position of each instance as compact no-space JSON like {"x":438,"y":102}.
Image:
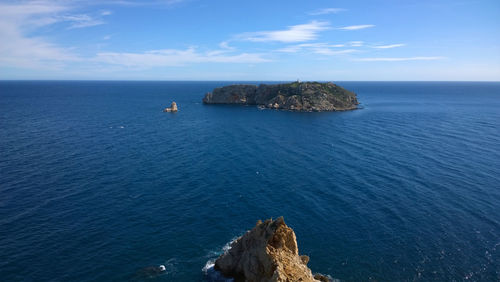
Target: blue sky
{"x":250,"y":40}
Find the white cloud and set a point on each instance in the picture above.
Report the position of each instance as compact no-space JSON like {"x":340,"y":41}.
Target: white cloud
{"x":132,"y":3}
{"x":356,"y":27}
{"x":300,"y":47}
{"x":175,"y":57}
{"x":389,"y":46}
{"x":106,"y":13}
{"x":295,"y":33}
{"x":399,"y":59}
{"x":330,"y":52}
{"x":170,"y":2}
{"x":30,"y":8}
{"x":225,"y":45}
{"x":81,"y":21}
{"x":318,"y":48}
{"x":326,"y":11}
{"x":356,"y":43}
{"x":19,"y":50}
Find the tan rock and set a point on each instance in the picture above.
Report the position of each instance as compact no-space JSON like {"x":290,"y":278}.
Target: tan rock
{"x":173,"y":108}
{"x":321,"y":278}
{"x":268,"y":252}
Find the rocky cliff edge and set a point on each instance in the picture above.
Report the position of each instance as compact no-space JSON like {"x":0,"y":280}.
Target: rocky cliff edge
{"x":268,"y":252}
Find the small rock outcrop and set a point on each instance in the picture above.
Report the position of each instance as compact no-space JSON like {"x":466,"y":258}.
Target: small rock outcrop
{"x":268,"y":252}
{"x":172,"y":108}
{"x":296,"y":96}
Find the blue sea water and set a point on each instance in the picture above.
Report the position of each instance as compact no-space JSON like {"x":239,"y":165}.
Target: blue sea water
{"x":96,"y":182}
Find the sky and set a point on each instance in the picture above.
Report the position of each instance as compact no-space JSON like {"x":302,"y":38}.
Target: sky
{"x":389,"y":40}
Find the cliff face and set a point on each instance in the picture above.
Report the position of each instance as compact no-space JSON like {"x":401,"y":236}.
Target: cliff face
{"x":297,"y":96}
{"x":268,"y":252}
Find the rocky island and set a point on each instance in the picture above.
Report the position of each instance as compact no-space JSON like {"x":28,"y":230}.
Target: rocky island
{"x":296,"y":96}
{"x":172,"y":108}
{"x":267,"y":253}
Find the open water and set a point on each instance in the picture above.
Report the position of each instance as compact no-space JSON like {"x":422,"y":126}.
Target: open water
{"x":97,"y":183}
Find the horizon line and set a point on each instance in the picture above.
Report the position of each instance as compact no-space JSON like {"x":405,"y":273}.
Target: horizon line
{"x":224,"y":80}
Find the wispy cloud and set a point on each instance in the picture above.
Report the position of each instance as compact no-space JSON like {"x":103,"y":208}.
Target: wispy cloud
{"x":19,"y":50}
{"x":317,"y":48}
{"x":85,"y":20}
{"x":132,"y":3}
{"x":175,"y":57}
{"x":326,"y":11}
{"x":300,"y":47}
{"x":356,"y":43}
{"x":81,"y":21}
{"x":24,"y":9}
{"x":295,"y":33}
{"x":24,"y":51}
{"x":170,"y":2}
{"x":330,"y":52}
{"x":389,"y":46}
{"x":356,"y":27}
{"x":399,"y":59}
{"x":225,"y":45}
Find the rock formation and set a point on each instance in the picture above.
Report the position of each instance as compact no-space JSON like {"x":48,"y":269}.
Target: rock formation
{"x":268,"y":252}
{"x":296,"y":96}
{"x":172,"y":108}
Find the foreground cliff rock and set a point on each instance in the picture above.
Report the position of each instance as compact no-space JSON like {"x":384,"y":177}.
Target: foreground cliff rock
{"x":296,"y":96}
{"x":268,"y":252}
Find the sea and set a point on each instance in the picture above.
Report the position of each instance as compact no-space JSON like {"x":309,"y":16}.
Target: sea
{"x":97,"y":183}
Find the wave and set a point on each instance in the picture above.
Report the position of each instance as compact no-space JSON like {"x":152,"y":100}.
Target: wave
{"x":213,"y":275}
{"x":154,"y":271}
{"x":209,"y":272}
